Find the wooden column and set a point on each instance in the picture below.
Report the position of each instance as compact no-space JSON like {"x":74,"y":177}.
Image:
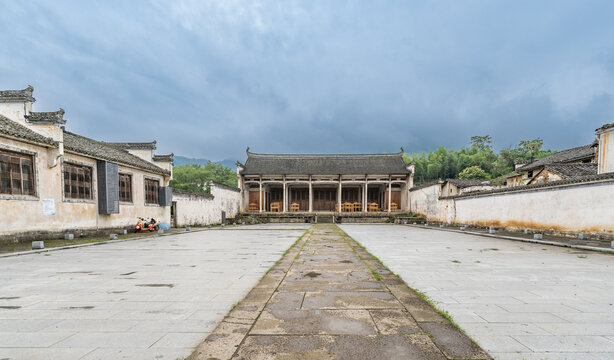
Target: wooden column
{"x":260,"y":194}
{"x":364,"y":197}
{"x":389,"y":194}
{"x":339,"y":196}
{"x":310,"y":195}
{"x":284,"y":196}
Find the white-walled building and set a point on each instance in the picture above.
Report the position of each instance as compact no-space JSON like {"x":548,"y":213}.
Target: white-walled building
{"x":52,"y":180}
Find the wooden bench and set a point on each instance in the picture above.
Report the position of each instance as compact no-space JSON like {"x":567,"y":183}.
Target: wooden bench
{"x":372,"y":207}
{"x":253,"y":207}
{"x":357,"y":207}
{"x":295,"y":207}
{"x":276,"y":207}
{"x":394,"y":206}
{"x":348,"y":207}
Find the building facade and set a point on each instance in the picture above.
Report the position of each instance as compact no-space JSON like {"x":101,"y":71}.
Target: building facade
{"x":330,"y":183}
{"x":52,"y":180}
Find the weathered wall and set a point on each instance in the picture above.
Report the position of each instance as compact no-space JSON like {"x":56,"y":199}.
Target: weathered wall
{"x":204,"y":209}
{"x":572,"y":208}
{"x":25,"y":213}
{"x":226,"y":198}
{"x":606,"y":152}
{"x":425,"y":201}
{"x":194,"y":209}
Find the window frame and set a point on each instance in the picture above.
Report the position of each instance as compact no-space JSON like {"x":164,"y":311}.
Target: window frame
{"x":92,"y":198}
{"x":156,"y":193}
{"x":12,"y":152}
{"x":130,"y":188}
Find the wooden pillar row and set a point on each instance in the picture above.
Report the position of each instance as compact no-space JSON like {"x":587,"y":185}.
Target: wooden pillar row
{"x":389,"y":194}
{"x":310,"y":195}
{"x":284,"y":196}
{"x":260,"y":194}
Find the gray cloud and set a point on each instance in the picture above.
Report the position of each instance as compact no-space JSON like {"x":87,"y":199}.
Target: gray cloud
{"x":213,"y":77}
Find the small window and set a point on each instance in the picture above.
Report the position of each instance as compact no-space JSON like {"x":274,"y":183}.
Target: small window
{"x":125,"y":187}
{"x":16,"y":173}
{"x":77,"y":182}
{"x":151,"y":191}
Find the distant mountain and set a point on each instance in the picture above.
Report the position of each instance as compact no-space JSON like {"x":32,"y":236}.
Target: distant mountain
{"x":182,"y":160}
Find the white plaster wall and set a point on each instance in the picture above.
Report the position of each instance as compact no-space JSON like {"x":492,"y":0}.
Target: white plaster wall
{"x":576,"y":208}
{"x":145,"y":154}
{"x":26,"y":213}
{"x":425,"y":201}
{"x":194,"y":210}
{"x":226,"y":199}
{"x":15,"y":111}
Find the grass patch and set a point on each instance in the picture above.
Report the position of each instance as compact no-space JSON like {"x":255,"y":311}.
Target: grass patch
{"x":443,"y":313}
{"x":376,"y":275}
{"x":490,"y":249}
{"x":582,"y":256}
{"x":455,"y":261}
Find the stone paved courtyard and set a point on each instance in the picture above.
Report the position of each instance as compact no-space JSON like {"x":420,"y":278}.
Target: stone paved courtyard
{"x":143,"y":299}
{"x":517,"y":300}
{"x":329,"y":299}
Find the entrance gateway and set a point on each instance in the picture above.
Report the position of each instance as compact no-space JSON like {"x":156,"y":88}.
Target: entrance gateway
{"x":324,"y":182}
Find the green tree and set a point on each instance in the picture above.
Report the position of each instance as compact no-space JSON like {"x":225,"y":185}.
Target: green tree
{"x":195,"y":178}
{"x":482,"y":143}
{"x":473,"y":172}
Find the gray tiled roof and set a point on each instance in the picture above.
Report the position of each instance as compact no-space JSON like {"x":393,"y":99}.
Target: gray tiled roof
{"x":164,"y":158}
{"x":573,"y":170}
{"x":463,"y":183}
{"x":605,"y":127}
{"x":17,"y":95}
{"x":134,"y":145}
{"x":102,"y":150}
{"x":331,"y":164}
{"x":580,"y":153}
{"x":12,"y":128}
{"x":54,"y":117}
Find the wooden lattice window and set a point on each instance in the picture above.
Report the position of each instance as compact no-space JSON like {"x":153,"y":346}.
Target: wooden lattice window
{"x":16,"y":173}
{"x":77,"y":182}
{"x":125,"y":187}
{"x":151,"y":191}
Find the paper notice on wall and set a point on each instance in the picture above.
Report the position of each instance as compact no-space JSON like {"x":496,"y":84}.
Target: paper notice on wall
{"x":48,"y":206}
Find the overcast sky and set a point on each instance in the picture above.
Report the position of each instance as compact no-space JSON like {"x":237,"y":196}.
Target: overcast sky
{"x":209,"y":78}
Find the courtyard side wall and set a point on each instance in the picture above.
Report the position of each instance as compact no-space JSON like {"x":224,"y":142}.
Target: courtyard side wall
{"x":226,"y":198}
{"x":424,"y":200}
{"x":192,"y":209}
{"x":583,"y":207}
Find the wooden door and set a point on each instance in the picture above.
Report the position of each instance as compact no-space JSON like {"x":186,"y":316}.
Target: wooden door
{"x":396,"y":198}
{"x":254,"y":198}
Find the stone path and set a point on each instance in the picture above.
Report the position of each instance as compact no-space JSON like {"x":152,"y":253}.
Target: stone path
{"x":517,"y":300}
{"x":155,"y":298}
{"x":327,"y":298}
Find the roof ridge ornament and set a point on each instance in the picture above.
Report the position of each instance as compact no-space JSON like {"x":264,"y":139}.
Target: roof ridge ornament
{"x":247,"y":151}
{"x":24,"y":95}
{"x":46,"y":117}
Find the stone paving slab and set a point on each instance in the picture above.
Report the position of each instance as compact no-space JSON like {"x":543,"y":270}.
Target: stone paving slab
{"x":517,"y":300}
{"x":327,"y":298}
{"x":154,"y":298}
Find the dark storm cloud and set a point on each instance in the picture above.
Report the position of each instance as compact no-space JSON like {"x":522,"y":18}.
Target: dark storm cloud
{"x":208,"y":78}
